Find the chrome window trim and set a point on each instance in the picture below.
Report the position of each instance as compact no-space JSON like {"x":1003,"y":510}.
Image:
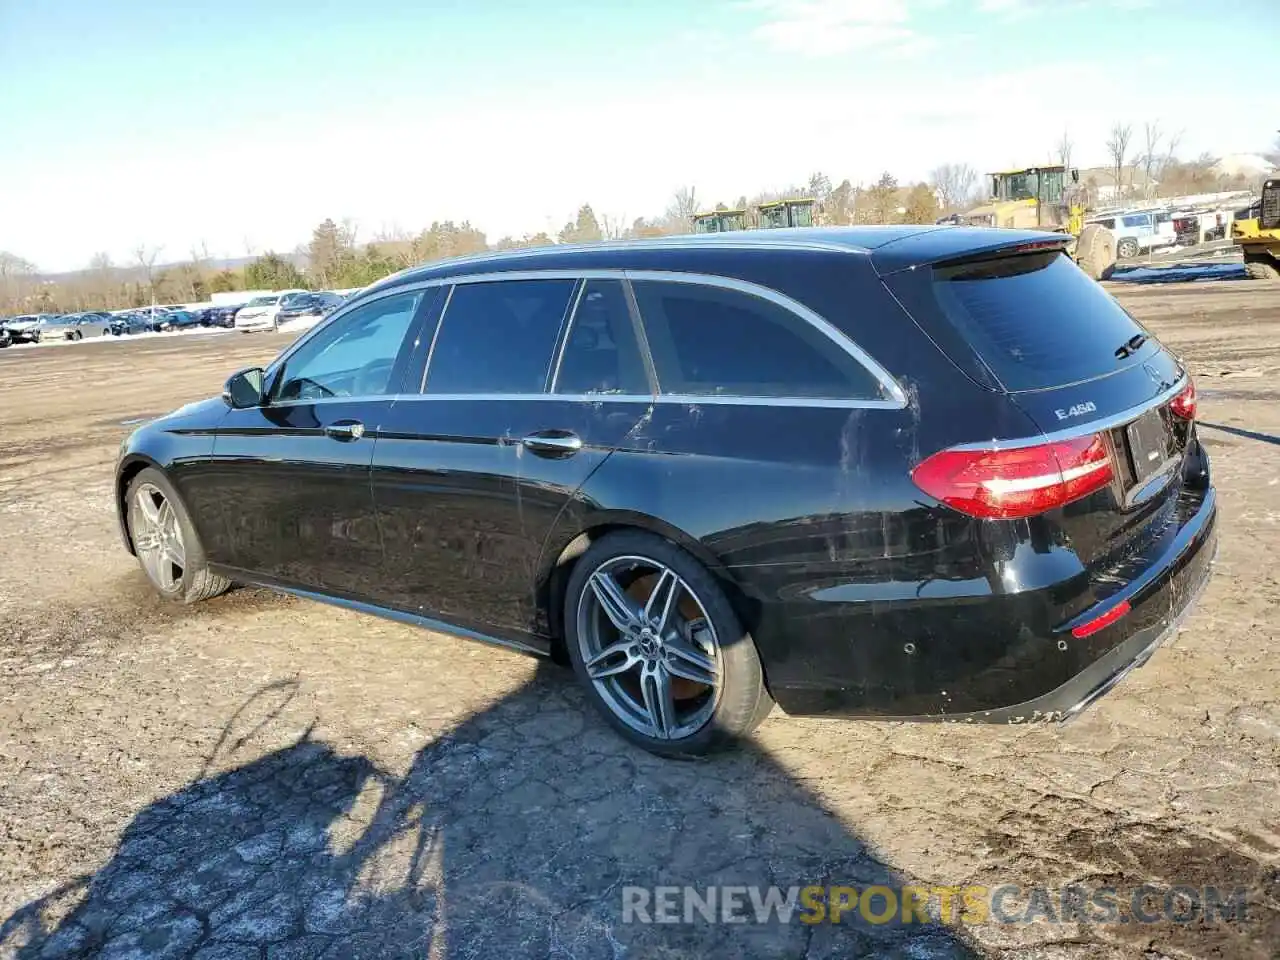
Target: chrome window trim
{"x":435,"y":335}
{"x":895,"y":397}
{"x":566,"y":333}
{"x":1082,"y":429}
{"x":692,"y":400}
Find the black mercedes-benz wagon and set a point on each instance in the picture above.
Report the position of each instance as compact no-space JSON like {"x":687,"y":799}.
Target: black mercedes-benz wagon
{"x":907,"y":472}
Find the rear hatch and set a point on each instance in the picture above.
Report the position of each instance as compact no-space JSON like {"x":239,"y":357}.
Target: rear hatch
{"x":1027,"y":322}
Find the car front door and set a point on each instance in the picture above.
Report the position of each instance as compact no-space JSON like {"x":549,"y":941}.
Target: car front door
{"x":529,"y":386}
{"x":293,"y":473}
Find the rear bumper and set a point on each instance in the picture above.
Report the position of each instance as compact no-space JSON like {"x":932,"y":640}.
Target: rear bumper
{"x":1166,"y":601}
{"x":997,"y":669}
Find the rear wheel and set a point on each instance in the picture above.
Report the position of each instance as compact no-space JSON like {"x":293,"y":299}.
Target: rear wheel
{"x":1261,"y":267}
{"x":165,"y":542}
{"x":1128,"y":248}
{"x":659,"y":649}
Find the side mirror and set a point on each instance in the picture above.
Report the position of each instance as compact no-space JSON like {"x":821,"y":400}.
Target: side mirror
{"x":243,"y":389}
{"x":1075,"y":176}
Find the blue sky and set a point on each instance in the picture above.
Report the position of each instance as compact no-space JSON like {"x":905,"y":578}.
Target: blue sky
{"x":240,"y":125}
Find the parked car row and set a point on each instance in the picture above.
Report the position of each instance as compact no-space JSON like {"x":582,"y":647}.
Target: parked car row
{"x":265,"y":312}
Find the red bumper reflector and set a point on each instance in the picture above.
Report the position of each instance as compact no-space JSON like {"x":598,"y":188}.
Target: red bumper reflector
{"x":1101,"y":621}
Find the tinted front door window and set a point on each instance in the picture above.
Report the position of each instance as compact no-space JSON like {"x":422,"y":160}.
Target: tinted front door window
{"x":714,"y":341}
{"x":354,"y":357}
{"x":498,"y":337}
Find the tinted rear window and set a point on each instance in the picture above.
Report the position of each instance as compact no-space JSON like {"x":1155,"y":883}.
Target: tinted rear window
{"x":1035,"y":320}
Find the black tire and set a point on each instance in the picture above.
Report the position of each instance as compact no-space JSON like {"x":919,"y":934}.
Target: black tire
{"x":1261,"y":268}
{"x":1128,"y":248}
{"x":743,"y":699}
{"x":76,"y":335}
{"x":196,"y":582}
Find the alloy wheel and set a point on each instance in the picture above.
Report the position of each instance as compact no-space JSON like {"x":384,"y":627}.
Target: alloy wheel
{"x":649,"y":647}
{"x":157,"y":537}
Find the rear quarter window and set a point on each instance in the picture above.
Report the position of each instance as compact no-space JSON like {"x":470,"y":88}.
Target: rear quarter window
{"x":1035,"y":321}
{"x":715,"y":341}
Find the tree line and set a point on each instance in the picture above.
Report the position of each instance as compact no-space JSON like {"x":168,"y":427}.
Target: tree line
{"x":338,"y":258}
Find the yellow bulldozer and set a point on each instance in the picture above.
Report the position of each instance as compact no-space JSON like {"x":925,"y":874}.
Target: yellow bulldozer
{"x":766,"y":216}
{"x":1047,"y":198}
{"x":1259,"y":237}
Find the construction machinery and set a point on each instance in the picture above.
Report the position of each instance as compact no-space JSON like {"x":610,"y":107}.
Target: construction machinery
{"x":1259,"y":236}
{"x":1046,"y":198}
{"x":785,"y":213}
{"x":719,"y":221}
{"x":797,"y":212}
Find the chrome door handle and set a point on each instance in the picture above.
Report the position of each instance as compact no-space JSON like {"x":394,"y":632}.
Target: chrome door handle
{"x":345,"y":430}
{"x":553,"y":443}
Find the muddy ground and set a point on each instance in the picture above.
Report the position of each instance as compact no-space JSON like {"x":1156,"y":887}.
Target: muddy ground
{"x":264,"y":777}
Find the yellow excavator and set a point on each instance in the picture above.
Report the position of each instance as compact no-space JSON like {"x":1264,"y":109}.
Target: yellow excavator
{"x":1259,"y":237}
{"x":1045,"y":198}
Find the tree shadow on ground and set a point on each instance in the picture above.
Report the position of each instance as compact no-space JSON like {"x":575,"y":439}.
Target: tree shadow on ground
{"x":1241,"y":432}
{"x":512,"y":835}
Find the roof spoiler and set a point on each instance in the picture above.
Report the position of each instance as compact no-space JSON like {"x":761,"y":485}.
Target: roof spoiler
{"x":947,"y":246}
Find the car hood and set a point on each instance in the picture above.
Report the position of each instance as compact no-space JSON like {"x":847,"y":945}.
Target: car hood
{"x":22,"y":325}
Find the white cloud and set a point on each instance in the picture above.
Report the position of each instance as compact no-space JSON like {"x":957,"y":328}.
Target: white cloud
{"x":821,"y":28}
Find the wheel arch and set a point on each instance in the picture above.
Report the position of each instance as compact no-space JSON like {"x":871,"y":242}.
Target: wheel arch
{"x":566,"y":545}
{"x":132,"y":465}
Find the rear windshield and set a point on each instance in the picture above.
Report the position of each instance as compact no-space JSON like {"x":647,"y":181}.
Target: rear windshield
{"x":1035,"y":320}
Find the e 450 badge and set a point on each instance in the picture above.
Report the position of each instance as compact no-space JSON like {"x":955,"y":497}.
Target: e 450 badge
{"x":1077,"y":410}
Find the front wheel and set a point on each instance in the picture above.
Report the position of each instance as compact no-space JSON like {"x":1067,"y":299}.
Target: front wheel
{"x":659,"y":649}
{"x":76,"y":335}
{"x":165,"y":542}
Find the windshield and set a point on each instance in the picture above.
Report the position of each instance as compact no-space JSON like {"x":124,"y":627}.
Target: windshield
{"x":263,"y":301}
{"x":1021,"y":186}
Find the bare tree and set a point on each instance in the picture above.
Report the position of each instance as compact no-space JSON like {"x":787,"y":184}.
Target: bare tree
{"x":16,"y":276}
{"x":102,"y":279}
{"x":146,"y":257}
{"x":684,"y":204}
{"x":613,"y":226}
{"x":1118,"y":151}
{"x":1152,"y":135}
{"x":1063,"y":149}
{"x":398,"y":244}
{"x":953,"y":184}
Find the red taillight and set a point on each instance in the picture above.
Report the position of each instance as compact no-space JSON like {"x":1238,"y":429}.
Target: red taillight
{"x":1105,"y":620}
{"x":1184,"y":404}
{"x":1018,"y":482}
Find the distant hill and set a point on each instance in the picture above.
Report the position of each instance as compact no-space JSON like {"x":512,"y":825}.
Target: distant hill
{"x":133,"y":271}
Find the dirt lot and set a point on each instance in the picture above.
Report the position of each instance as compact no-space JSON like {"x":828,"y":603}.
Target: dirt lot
{"x":258,"y":776}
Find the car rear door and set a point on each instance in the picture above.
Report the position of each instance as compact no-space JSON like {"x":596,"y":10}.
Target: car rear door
{"x":528,"y":386}
{"x":293,"y":474}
